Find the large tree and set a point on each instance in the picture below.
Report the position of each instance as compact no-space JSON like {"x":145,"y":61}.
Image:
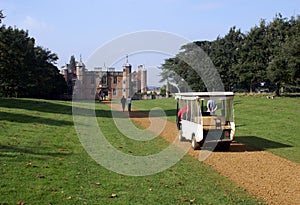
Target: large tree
{"x":185,"y":70}
{"x":17,"y":61}
{"x":284,"y":69}
{"x":254,"y":57}
{"x":72,"y":65}
{"x":25,"y":69}
{"x":175,"y":71}
{"x":1,"y":16}
{"x":283,"y":35}
{"x":269,"y":52}
{"x":225,"y":54}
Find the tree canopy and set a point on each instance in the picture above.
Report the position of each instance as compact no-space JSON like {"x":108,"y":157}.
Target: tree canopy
{"x":27,"y":70}
{"x":72,"y":63}
{"x":269,"y":52}
{"x":1,"y":16}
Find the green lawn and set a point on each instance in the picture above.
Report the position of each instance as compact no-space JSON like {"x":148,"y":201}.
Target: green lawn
{"x":270,"y":124}
{"x":264,"y":124}
{"x":42,"y":162}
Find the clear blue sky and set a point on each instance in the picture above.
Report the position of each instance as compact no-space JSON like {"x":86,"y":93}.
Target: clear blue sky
{"x":80,"y":27}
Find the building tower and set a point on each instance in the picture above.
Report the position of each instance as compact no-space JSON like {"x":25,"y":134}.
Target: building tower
{"x":127,"y":79}
{"x":142,"y":72}
{"x":80,"y":69}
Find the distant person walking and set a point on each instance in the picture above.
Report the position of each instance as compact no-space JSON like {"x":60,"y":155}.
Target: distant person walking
{"x":129,"y":104}
{"x":123,"y":102}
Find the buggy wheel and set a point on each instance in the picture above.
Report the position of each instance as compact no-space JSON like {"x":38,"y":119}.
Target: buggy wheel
{"x":224,"y":146}
{"x":180,"y":137}
{"x":195,"y":144}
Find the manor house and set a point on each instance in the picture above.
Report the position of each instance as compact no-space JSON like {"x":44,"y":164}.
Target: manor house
{"x":105,"y":83}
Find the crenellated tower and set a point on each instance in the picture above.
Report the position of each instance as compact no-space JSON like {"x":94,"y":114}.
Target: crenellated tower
{"x":127,"y":91}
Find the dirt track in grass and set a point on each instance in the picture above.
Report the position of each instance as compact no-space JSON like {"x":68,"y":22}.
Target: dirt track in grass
{"x":262,"y":174}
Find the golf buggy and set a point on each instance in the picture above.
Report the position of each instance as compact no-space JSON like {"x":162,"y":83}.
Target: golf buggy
{"x":206,"y":117}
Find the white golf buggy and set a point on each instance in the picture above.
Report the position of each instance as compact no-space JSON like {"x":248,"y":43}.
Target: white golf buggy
{"x":206,"y":117}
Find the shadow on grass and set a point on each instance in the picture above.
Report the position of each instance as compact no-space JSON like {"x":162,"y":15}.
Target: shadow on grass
{"x":56,"y":108}
{"x":251,"y":144}
{"x":259,"y":143}
{"x":154,"y":113}
{"x":36,"y":105}
{"x":6,"y":149}
{"x":22,"y":118}
{"x":291,"y":95}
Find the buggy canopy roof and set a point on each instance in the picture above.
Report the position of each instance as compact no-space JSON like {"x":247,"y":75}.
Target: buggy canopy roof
{"x":203,"y":95}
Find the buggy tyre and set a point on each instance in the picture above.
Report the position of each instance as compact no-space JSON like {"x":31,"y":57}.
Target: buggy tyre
{"x":224,"y":146}
{"x":180,"y":137}
{"x":195,"y":144}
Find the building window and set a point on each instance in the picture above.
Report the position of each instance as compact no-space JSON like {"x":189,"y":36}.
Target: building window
{"x":115,"y":79}
{"x":104,"y":80}
{"x":124,"y":81}
{"x":114,"y":92}
{"x":92,"y":80}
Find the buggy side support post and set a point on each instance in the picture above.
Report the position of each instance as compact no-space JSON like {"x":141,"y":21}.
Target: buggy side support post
{"x":177,"y":118}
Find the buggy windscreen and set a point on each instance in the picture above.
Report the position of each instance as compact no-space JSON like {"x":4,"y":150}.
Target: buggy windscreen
{"x":190,"y":108}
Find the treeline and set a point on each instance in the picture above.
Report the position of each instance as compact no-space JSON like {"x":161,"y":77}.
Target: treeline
{"x":27,"y":70}
{"x":268,"y":56}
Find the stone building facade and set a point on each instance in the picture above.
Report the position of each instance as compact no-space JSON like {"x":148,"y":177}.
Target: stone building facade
{"x":106,"y":83}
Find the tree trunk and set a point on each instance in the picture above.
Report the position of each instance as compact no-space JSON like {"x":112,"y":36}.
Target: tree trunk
{"x":277,"y":91}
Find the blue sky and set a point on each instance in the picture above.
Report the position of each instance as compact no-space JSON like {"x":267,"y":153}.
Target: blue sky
{"x":80,"y":27}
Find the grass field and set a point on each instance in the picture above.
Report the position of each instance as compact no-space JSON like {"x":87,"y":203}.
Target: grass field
{"x":264,"y":124}
{"x":271,"y":125}
{"x":43,"y":162}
